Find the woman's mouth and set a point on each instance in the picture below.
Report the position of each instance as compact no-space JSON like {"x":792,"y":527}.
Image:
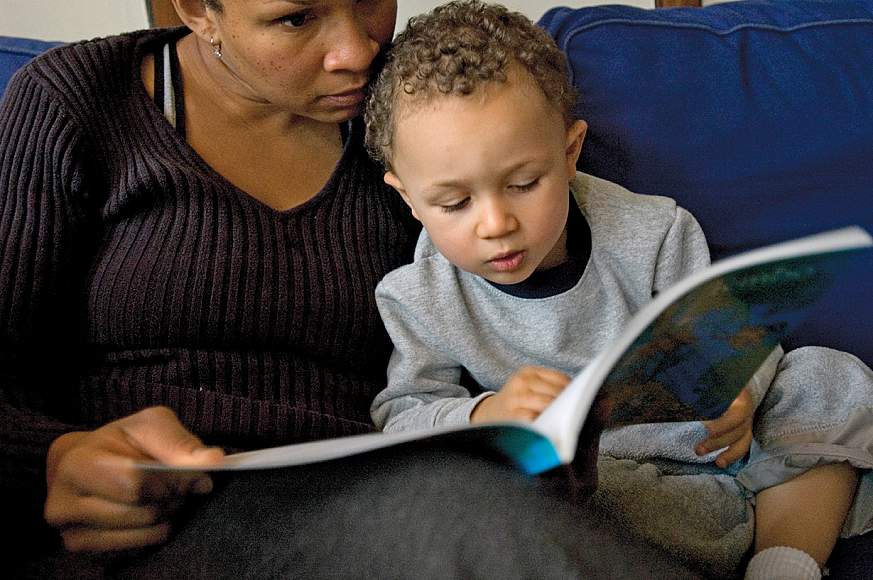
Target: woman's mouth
{"x":351,"y":98}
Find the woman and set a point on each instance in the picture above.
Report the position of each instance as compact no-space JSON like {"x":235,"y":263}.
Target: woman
{"x":190,"y":234}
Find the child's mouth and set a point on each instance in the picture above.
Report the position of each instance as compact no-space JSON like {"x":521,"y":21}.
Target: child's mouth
{"x":507,"y":262}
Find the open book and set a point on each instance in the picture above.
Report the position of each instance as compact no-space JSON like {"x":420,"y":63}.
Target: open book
{"x":684,"y":356}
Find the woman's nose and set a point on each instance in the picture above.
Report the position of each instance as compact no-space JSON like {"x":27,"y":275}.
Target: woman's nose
{"x":353,"y":47}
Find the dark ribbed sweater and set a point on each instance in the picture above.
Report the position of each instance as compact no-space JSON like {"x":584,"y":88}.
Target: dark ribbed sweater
{"x":132,"y":274}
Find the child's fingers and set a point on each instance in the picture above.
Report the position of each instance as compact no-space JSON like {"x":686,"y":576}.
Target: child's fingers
{"x":524,"y":415}
{"x":714,"y":442}
{"x":526,"y":394}
{"x":735,"y":452}
{"x":552,"y":376}
{"x":740,"y":439}
{"x":534,"y":401}
{"x":546,"y":381}
{"x":739,"y":412}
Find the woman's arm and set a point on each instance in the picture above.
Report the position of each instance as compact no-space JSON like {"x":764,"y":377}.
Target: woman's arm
{"x":41,"y":233}
{"x":49,"y":228}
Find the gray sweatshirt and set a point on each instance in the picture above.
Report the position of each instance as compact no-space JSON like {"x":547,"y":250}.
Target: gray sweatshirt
{"x":442,"y":319}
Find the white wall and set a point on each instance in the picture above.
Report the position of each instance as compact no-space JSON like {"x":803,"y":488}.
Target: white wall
{"x":71,"y":19}
{"x":78,"y":19}
{"x":533,"y":8}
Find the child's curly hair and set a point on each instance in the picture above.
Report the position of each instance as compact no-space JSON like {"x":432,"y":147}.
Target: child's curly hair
{"x":454,"y":49}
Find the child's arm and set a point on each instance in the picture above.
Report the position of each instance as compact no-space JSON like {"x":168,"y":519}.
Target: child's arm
{"x":683,"y":251}
{"x":423,"y":389}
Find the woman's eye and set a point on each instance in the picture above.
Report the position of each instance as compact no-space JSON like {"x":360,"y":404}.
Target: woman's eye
{"x":456,"y":206}
{"x":297,"y":19}
{"x":526,"y":186}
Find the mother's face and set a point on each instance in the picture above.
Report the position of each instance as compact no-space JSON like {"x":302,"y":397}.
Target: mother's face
{"x":309,"y":57}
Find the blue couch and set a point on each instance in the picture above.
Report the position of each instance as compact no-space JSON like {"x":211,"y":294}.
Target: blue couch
{"x":757,"y":116}
{"x":14,"y":52}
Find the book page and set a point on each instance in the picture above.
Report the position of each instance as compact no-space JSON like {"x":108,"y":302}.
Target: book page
{"x":688,"y":353}
{"x":519,"y":444}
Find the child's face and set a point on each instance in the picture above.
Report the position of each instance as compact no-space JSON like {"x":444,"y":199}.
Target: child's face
{"x":488,"y":177}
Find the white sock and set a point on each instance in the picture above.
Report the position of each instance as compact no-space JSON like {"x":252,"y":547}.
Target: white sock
{"x":782,"y":563}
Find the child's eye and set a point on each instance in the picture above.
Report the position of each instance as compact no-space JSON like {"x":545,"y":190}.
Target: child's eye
{"x":526,"y":186}
{"x":456,"y":206}
{"x":297,"y":19}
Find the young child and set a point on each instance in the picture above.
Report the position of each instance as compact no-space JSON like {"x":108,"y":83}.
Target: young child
{"x":526,"y":269}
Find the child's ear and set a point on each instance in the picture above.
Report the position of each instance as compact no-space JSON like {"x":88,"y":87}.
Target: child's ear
{"x":573,"y":145}
{"x":394,"y":181}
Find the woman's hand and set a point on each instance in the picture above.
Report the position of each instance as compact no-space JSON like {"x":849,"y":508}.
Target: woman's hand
{"x":100,"y":501}
{"x":732,"y":430}
{"x":523,"y":397}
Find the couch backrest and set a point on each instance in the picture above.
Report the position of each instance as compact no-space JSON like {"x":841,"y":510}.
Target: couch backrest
{"x":757,"y":116}
{"x":14,"y":52}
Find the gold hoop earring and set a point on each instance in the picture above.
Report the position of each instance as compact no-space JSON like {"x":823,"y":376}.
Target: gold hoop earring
{"x":216,"y":47}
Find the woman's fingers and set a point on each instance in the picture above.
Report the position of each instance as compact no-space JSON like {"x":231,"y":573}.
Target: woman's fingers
{"x":107,"y":469}
{"x":157,"y":433}
{"x":100,"y":499}
{"x":91,"y":511}
{"x":87,"y":539}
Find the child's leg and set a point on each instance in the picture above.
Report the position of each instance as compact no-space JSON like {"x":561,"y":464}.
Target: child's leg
{"x":806,"y":512}
{"x":818,"y":405}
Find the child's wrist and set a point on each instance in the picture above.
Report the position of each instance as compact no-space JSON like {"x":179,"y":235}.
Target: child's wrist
{"x":480,"y":413}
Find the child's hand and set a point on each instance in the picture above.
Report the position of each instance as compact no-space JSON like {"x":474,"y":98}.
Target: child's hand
{"x":732,"y":430}
{"x":523,"y":397}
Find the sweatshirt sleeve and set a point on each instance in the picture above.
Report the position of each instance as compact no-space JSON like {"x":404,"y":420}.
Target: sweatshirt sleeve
{"x":683,"y":251}
{"x":42,"y":240}
{"x":423,"y":381}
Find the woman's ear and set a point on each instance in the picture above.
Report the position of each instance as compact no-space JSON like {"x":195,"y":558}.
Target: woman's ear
{"x":394,"y":181}
{"x":195,"y":15}
{"x":573,"y":145}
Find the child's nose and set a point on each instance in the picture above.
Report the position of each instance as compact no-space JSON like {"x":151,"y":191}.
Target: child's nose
{"x":495,"y":220}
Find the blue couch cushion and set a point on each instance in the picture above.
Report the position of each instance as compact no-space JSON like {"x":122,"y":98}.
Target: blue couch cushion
{"x":14,"y":52}
{"x":757,"y":116}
